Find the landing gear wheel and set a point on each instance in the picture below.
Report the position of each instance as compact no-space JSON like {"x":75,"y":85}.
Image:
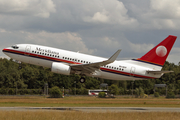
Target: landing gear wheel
{"x":20,"y":66}
{"x":82,"y":80}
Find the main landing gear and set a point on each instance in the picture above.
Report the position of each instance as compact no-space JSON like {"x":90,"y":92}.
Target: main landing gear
{"x":82,"y":80}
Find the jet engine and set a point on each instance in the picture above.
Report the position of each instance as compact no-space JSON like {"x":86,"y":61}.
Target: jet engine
{"x":60,"y":68}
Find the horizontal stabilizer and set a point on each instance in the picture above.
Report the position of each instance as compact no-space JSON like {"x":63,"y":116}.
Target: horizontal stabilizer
{"x":159,"y":72}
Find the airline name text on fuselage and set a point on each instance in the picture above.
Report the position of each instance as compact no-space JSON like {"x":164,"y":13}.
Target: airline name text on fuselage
{"x":47,"y":51}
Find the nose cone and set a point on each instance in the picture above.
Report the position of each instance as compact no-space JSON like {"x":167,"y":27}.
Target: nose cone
{"x":4,"y":50}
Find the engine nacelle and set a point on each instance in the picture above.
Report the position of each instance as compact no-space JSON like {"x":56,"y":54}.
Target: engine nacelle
{"x":60,"y":68}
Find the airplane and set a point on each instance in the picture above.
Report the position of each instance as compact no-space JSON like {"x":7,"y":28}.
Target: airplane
{"x":67,"y":62}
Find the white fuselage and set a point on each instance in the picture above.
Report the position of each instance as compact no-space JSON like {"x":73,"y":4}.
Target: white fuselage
{"x":118,"y":70}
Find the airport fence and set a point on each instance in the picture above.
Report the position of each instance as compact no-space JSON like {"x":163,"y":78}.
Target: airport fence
{"x":67,"y":92}
{"x":14,"y":91}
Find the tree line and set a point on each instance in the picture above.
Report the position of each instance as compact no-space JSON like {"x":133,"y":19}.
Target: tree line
{"x":32,"y":77}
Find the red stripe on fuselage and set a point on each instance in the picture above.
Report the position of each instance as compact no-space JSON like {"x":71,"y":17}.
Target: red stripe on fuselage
{"x":126,"y":74}
{"x":38,"y":56}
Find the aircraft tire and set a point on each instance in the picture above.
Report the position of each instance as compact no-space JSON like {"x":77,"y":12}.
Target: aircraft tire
{"x":20,"y":67}
{"x":82,"y":80}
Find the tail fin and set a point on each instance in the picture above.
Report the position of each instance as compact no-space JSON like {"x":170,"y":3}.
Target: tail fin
{"x":159,"y":54}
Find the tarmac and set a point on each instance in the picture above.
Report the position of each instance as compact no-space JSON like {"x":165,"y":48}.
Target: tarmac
{"x":93,"y":109}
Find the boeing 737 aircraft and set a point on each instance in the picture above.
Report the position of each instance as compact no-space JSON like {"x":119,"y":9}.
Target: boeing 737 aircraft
{"x":67,"y":62}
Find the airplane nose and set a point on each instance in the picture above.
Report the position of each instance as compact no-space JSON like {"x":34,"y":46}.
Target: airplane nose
{"x":4,"y":50}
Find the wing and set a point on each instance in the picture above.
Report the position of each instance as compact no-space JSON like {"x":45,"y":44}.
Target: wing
{"x":92,"y":67}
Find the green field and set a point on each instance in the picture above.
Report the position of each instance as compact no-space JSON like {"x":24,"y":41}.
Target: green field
{"x":40,"y":101}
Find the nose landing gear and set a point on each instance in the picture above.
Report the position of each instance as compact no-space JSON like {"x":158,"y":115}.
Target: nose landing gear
{"x":20,"y":65}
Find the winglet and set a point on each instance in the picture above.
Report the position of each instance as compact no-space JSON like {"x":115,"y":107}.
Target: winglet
{"x":114,"y":56}
{"x":111,"y":59}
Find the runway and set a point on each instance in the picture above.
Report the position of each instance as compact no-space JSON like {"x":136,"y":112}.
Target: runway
{"x":93,"y":109}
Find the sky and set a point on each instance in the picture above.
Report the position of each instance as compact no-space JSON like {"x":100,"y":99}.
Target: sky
{"x":96,"y":27}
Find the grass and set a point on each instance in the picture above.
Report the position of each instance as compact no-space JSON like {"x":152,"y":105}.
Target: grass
{"x":36,"y":101}
{"x":75,"y":115}
{"x":39,"y":101}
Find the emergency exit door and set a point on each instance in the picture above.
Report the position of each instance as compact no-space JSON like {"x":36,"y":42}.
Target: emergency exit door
{"x":132,"y":71}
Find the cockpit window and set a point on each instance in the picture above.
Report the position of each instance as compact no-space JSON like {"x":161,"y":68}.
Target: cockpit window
{"x":15,"y":46}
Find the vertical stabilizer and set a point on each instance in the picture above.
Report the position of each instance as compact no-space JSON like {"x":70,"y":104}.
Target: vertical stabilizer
{"x":159,"y":53}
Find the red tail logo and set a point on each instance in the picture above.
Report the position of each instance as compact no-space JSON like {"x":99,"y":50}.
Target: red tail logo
{"x":159,"y":54}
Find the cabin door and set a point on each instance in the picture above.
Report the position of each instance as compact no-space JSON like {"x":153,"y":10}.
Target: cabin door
{"x":27,"y":50}
{"x":132,"y":71}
